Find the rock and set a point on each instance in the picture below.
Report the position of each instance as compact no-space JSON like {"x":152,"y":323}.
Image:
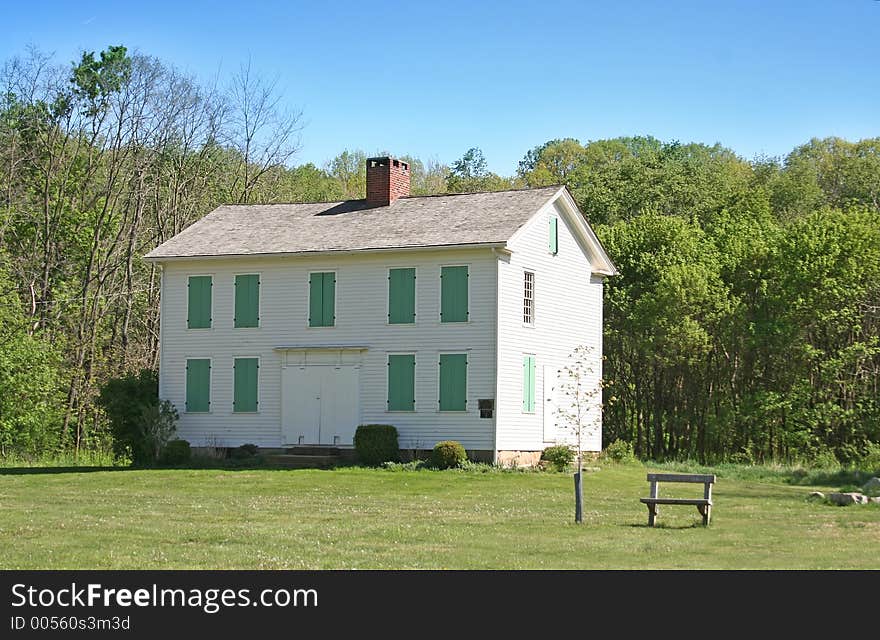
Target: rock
{"x":844,"y":499}
{"x":816,"y":495}
{"x":872,"y":487}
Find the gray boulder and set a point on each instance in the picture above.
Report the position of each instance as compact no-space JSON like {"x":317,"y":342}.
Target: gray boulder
{"x":845,"y":499}
{"x":872,"y":487}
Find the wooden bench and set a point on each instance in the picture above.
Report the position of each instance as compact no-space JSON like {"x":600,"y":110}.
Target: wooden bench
{"x":703,"y":505}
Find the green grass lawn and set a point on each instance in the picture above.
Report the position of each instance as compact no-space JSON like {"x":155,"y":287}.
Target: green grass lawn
{"x":360,"y":518}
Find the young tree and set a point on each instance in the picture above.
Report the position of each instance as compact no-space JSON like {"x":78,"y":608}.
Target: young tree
{"x":580,"y":410}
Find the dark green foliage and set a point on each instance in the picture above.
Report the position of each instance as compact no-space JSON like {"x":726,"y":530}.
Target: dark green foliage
{"x":560,"y":456}
{"x":176,"y":452}
{"x":448,"y":454}
{"x":243,"y":452}
{"x":619,"y":451}
{"x":376,"y":443}
{"x":30,"y":398}
{"x":124,"y":400}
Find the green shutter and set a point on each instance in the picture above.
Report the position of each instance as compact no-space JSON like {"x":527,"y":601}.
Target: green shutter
{"x":244,"y":393}
{"x":401,"y":296}
{"x":198,"y":314}
{"x":529,"y":384}
{"x":554,"y":236}
{"x":316,"y":290}
{"x":453,"y":382}
{"x":328,"y":303}
{"x":401,"y":382}
{"x":247,"y":301}
{"x":198,"y":386}
{"x":453,"y":294}
{"x":322,"y":299}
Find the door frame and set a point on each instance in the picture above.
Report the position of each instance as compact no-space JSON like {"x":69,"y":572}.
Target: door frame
{"x":318,"y":356}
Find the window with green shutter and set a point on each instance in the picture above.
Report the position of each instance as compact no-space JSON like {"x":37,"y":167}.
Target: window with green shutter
{"x":247,"y":301}
{"x":453,"y":382}
{"x":401,"y":296}
{"x":528,"y":384}
{"x":454,"y":294}
{"x":198,"y":385}
{"x":245,"y":381}
{"x":554,"y":236}
{"x":402,"y":382}
{"x":322,"y":299}
{"x":198,"y":308}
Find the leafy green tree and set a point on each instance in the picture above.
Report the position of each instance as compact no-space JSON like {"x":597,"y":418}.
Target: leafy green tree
{"x":350,"y":169}
{"x":551,"y":163}
{"x":30,"y":398}
{"x":470,"y":174}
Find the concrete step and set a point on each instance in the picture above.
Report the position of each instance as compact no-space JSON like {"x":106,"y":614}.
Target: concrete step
{"x":303,"y":461}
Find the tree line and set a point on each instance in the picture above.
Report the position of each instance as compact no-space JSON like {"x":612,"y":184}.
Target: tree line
{"x":744,"y":323}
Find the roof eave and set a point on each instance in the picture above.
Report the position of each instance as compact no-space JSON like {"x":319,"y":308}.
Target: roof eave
{"x":436,"y":247}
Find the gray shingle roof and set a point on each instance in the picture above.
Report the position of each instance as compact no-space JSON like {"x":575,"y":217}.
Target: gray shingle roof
{"x":427,"y":221}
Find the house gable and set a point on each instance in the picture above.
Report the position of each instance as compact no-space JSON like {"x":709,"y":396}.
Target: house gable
{"x":562,"y":205}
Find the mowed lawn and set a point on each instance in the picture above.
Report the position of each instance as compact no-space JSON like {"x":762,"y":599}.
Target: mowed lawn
{"x":359,"y":518}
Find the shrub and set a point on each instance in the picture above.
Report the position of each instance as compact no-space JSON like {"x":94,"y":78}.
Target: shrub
{"x":376,"y":443}
{"x":741,"y":457}
{"x":156,"y":424}
{"x":243,"y":452}
{"x":825,"y":460}
{"x":870,"y":460}
{"x":448,"y":454}
{"x":176,"y":452}
{"x":124,"y":401}
{"x":619,"y":451}
{"x":560,"y":456}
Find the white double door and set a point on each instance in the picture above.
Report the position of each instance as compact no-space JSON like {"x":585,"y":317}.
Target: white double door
{"x":320,"y":404}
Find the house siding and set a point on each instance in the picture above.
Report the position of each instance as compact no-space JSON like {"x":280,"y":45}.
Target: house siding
{"x":361,"y":319}
{"x":568,"y":313}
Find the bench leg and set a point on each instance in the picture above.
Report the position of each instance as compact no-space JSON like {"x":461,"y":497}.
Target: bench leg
{"x":652,"y":514}
{"x":705,"y":511}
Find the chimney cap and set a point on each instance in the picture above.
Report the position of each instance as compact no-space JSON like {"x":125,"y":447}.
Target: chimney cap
{"x":384,"y":161}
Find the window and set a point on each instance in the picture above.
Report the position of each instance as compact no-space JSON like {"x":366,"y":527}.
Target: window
{"x":247,"y":301}
{"x":528,"y":297}
{"x":454,"y":294}
{"x":322,"y":299}
{"x":554,"y":236}
{"x":401,"y":296}
{"x":198,"y":385}
{"x":402,"y":382}
{"x":453,"y":382}
{"x":245,"y":385}
{"x":528,"y":384}
{"x":198,"y":309}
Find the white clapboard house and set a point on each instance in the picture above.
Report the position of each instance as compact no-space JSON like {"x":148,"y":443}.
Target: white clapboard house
{"x":446,"y":316}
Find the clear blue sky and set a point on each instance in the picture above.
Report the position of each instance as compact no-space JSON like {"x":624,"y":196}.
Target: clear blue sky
{"x":435,"y":78}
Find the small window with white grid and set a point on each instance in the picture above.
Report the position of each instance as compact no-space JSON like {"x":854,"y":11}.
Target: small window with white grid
{"x":528,"y":297}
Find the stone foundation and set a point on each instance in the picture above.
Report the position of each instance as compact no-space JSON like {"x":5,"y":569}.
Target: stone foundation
{"x":519,"y":458}
{"x":474,"y":455}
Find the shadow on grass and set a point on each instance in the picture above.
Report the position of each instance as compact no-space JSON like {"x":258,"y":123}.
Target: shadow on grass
{"x":662,"y":525}
{"x":200,"y":466}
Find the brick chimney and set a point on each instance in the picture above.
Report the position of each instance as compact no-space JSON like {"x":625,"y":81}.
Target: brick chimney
{"x":387,"y":180}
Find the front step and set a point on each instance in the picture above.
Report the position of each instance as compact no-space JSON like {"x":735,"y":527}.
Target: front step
{"x":312,"y":450}
{"x":302,"y":461}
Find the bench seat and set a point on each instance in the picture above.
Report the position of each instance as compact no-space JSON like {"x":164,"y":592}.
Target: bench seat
{"x":694,"y":501}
